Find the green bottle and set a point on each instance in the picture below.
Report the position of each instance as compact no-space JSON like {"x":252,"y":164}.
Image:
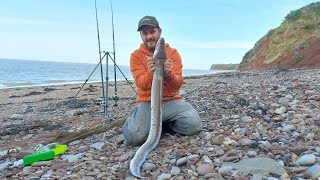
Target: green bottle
{"x":30,"y":159}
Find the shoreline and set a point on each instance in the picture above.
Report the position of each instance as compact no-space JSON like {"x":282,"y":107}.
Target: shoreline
{"x":51,"y":82}
{"x":245,"y":115}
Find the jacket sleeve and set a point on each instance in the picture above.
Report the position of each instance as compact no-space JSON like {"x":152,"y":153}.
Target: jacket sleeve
{"x":140,"y":72}
{"x":175,"y":80}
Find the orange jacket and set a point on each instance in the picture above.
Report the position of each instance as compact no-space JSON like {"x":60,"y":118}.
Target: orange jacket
{"x":143,"y":77}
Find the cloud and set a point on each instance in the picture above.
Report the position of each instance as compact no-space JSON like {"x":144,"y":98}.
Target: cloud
{"x":218,"y":45}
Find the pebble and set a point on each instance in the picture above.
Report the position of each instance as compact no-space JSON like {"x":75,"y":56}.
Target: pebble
{"x":306,"y":160}
{"x":175,"y":170}
{"x":314,"y":171}
{"x":148,"y":166}
{"x":41,"y":163}
{"x":203,"y":169}
{"x":225,"y":169}
{"x":182,"y":161}
{"x":164,"y":176}
{"x":16,"y":117}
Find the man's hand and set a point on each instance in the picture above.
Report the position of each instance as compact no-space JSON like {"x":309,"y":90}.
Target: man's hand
{"x":150,"y":64}
{"x":168,"y":66}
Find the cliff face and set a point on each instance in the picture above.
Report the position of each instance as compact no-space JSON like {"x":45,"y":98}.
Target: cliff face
{"x":224,"y":66}
{"x":294,"y":44}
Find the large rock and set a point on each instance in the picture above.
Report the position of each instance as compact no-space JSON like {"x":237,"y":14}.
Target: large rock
{"x":263,"y":166}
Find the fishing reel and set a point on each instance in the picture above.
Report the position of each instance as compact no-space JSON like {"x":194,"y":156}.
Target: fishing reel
{"x":100,"y":101}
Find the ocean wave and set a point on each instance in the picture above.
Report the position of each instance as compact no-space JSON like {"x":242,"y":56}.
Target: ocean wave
{"x":17,"y":84}
{"x":55,"y":81}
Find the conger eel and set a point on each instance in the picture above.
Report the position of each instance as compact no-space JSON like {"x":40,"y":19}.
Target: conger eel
{"x":152,"y":141}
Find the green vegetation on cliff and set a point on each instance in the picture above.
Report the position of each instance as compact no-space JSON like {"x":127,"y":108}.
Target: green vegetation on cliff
{"x":299,"y":29}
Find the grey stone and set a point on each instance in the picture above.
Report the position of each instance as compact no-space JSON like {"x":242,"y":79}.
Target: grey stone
{"x":263,"y":166}
{"x":98,"y":145}
{"x":164,"y":176}
{"x":305,"y":160}
{"x":148,"y":166}
{"x":175,"y":170}
{"x":246,"y":142}
{"x":4,"y":165}
{"x":16,"y":117}
{"x":288,"y":128}
{"x":246,"y":119}
{"x":314,"y":171}
{"x":182,"y":161}
{"x":71,"y":158}
{"x":281,"y":110}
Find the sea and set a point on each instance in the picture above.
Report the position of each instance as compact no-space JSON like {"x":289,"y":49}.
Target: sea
{"x":16,"y":73}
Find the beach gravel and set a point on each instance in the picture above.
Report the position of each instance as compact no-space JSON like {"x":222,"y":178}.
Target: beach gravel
{"x":256,"y":125}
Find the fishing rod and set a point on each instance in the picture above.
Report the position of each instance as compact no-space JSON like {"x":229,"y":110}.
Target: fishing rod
{"x":116,"y":98}
{"x":107,"y":55}
{"x":101,"y":69}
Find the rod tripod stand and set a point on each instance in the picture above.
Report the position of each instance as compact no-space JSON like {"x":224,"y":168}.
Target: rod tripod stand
{"x":105,"y":91}
{"x":104,"y":101}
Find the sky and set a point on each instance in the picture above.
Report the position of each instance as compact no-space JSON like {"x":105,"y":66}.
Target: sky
{"x":204,"y":32}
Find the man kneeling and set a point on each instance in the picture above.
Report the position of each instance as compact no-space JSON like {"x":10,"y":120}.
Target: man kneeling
{"x":177,"y":114}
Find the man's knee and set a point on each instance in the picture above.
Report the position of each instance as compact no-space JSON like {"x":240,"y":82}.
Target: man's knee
{"x":189,"y":123}
{"x":133,"y":137}
{"x":194,"y":125}
{"x":135,"y":132}
{"x":136,"y":127}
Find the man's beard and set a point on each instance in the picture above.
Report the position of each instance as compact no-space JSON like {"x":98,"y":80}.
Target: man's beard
{"x":151,"y":48}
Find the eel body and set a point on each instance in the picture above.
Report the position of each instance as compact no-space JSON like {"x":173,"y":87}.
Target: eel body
{"x":156,"y":111}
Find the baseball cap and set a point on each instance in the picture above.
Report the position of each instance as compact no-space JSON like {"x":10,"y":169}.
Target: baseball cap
{"x":148,"y":21}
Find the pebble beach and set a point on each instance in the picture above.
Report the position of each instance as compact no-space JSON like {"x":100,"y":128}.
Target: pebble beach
{"x":257,"y":125}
